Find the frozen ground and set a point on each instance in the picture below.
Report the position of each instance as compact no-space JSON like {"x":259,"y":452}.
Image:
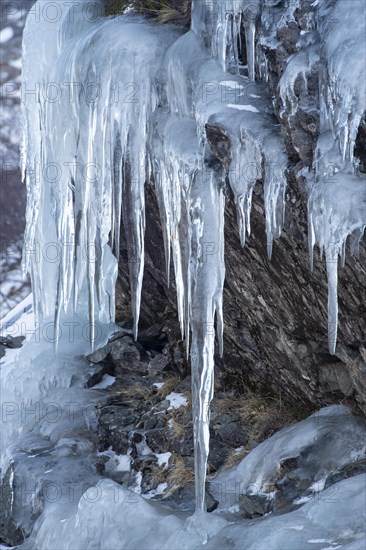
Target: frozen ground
{"x":49,"y":445}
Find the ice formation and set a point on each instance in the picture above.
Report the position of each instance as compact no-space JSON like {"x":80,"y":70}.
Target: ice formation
{"x":219,"y":26}
{"x":89,"y":180}
{"x":120,"y":99}
{"x":337,"y":203}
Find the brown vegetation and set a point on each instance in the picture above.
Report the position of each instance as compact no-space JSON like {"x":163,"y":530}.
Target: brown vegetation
{"x":163,"y":11}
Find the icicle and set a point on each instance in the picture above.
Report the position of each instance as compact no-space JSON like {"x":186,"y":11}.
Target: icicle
{"x":337,"y":199}
{"x":250,"y":40}
{"x":106,"y":153}
{"x":244,"y":172}
{"x":218,"y":25}
{"x":299,"y":65}
{"x":332,"y":272}
{"x":207,"y":280}
{"x":343,"y":253}
{"x":343,"y":86}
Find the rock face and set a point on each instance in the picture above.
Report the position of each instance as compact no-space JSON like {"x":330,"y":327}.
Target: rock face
{"x":275,"y":312}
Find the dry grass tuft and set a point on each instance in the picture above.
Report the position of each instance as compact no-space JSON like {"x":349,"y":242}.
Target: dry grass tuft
{"x":179,"y":474}
{"x":134,"y":392}
{"x":170,"y":384}
{"x":265,"y":416}
{"x":260,"y":417}
{"x":178,"y":430}
{"x":159,"y":476}
{"x":235,"y":456}
{"x":115,"y":7}
{"x":163,"y":11}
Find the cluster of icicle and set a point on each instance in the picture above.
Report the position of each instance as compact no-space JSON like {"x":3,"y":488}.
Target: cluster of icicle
{"x":120,"y":100}
{"x":337,"y":204}
{"x":337,"y":198}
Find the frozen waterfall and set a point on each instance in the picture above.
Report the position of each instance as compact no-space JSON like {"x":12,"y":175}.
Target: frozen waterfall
{"x":118,"y":101}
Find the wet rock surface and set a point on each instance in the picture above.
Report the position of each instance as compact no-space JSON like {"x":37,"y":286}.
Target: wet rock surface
{"x":10,"y":342}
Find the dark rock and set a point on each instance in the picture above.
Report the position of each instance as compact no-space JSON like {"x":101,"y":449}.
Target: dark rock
{"x":98,"y":355}
{"x":360,"y":145}
{"x":157,"y":441}
{"x":112,"y":422}
{"x":148,"y":466}
{"x":289,"y":36}
{"x":162,"y":406}
{"x":184,"y":385}
{"x":158,"y":364}
{"x":183,"y":445}
{"x":254,"y":505}
{"x":127,"y":358}
{"x":95,"y":374}
{"x":124,"y":350}
{"x":150,"y":423}
{"x":348,"y":470}
{"x":231,"y":434}
{"x":218,"y":454}
{"x":154,"y":338}
{"x":12,"y":342}
{"x":184,"y":500}
{"x":10,"y":533}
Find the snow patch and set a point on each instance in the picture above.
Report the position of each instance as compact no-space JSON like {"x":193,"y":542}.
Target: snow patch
{"x":177,"y":400}
{"x":163,"y":459}
{"x":249,"y":108}
{"x":106,"y":381}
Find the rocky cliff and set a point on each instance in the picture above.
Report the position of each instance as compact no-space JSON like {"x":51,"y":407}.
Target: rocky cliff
{"x":275,"y":311}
